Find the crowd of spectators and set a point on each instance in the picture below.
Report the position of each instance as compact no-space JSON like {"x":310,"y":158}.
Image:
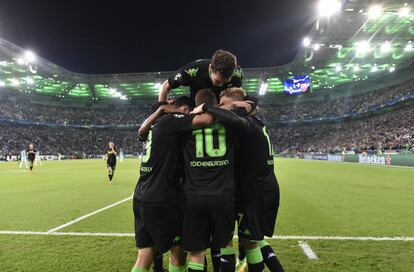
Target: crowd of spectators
{"x":359,"y":103}
{"x":26,"y":111}
{"x":392,"y":130}
{"x":66,"y":141}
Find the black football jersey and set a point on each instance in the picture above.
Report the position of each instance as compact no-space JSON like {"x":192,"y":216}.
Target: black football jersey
{"x":31,"y":154}
{"x":208,"y":161}
{"x":196,"y":76}
{"x":158,"y":181}
{"x":111,"y":155}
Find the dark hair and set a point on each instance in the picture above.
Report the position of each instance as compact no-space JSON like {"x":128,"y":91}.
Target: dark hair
{"x":206,"y":96}
{"x":237,"y":94}
{"x":184,"y":101}
{"x":224,"y":63}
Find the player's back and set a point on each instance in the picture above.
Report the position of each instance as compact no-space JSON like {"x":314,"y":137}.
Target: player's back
{"x":158,"y":183}
{"x":209,"y":161}
{"x":254,"y":157}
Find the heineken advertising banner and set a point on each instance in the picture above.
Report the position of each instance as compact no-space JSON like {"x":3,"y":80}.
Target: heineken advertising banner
{"x":386,"y":159}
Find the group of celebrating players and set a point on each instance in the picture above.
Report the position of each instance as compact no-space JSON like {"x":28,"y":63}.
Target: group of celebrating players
{"x":208,"y":162}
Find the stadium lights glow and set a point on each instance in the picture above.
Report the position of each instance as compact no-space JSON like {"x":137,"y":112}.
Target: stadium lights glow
{"x":30,"y":81}
{"x":263,"y":88}
{"x":123,"y":97}
{"x":112,"y":91}
{"x":404,"y":12}
{"x":375,"y":11}
{"x":385,"y":47}
{"x":327,"y":8}
{"x":20,"y":61}
{"x":306,"y":41}
{"x":2,"y":83}
{"x":15,"y":82}
{"x":29,"y":56}
{"x":338,"y":68}
{"x":408,"y":47}
{"x":392,"y":69}
{"x":316,"y":46}
{"x":374,"y":68}
{"x":362,"y":47}
{"x":356,"y":68}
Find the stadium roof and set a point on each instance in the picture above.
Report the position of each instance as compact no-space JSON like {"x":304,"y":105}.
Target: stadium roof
{"x":360,"y":42}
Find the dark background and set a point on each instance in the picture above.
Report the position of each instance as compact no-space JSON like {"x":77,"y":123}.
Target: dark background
{"x":144,"y":36}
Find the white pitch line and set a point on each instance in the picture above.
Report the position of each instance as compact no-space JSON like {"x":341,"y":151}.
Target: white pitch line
{"x":308,"y":250}
{"x":279,"y":237}
{"x":89,"y":215}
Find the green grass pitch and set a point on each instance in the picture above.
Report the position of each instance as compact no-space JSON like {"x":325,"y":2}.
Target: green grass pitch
{"x":317,"y":199}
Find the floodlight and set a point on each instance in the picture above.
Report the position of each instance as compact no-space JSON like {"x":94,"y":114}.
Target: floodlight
{"x":112,"y":91}
{"x":316,"y":46}
{"x":362,"y":47}
{"x":263,"y":88}
{"x":306,"y":41}
{"x":29,"y":56}
{"x":392,"y":69}
{"x":15,"y":82}
{"x":375,"y":11}
{"x":30,"y":81}
{"x":20,"y":61}
{"x":338,"y":68}
{"x":374,"y":68}
{"x":385,"y":47}
{"x":123,"y":97}
{"x":2,"y":83}
{"x":356,"y":68}
{"x":408,"y":47}
{"x":327,"y":8}
{"x":404,"y":12}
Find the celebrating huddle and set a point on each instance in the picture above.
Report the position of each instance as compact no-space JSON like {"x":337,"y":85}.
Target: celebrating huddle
{"x":204,"y":170}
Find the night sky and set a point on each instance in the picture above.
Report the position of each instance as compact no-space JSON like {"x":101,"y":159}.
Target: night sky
{"x":145,"y":36}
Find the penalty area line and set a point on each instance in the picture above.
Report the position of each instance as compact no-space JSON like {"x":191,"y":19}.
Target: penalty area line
{"x":88,"y":215}
{"x":308,"y":251}
{"x":278,"y":237}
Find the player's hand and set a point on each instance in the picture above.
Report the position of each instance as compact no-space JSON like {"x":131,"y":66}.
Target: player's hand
{"x":198,"y":109}
{"x":247,"y":105}
{"x":168,"y":108}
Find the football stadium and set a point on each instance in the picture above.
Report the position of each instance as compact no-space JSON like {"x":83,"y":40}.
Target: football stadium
{"x":84,"y":190}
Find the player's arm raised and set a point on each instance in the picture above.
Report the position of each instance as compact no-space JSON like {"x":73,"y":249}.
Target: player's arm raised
{"x":146,"y":125}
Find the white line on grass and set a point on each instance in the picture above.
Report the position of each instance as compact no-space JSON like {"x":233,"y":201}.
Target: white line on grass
{"x":88,"y":215}
{"x":308,"y":250}
{"x":278,"y":237}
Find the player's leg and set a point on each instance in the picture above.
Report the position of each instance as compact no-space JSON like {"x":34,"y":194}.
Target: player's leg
{"x":196,"y":231}
{"x":269,"y":257}
{"x":158,"y":263}
{"x":221,"y":210}
{"x":177,"y":260}
{"x":110,"y":173}
{"x":143,"y":240}
{"x":144,"y":259}
{"x":253,"y":255}
{"x":30,"y":166}
{"x":215,"y":259}
{"x":241,"y":262}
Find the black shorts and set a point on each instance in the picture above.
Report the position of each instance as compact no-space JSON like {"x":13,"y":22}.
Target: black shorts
{"x":208,"y":222}
{"x":31,"y":161}
{"x":158,"y":227}
{"x":111,"y":165}
{"x":256,"y":215}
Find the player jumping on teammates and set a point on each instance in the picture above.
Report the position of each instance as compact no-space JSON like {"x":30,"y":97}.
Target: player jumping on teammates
{"x":31,"y":156}
{"x":218,"y":73}
{"x":110,"y":157}
{"x":157,"y":197}
{"x":257,"y":191}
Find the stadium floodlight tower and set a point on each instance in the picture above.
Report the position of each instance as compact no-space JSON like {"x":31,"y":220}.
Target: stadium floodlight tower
{"x":375,"y":11}
{"x":327,"y":8}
